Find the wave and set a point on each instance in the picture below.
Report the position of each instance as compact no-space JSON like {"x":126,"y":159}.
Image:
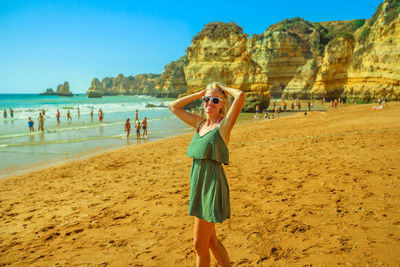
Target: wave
{"x":23,"y":113}
{"x":78,"y":127}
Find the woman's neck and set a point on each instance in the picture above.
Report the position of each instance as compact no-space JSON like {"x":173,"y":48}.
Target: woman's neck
{"x":213,"y":120}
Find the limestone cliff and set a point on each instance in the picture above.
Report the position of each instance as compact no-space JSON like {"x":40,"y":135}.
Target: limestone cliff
{"x":172,"y":81}
{"x":332,"y":74}
{"x":374,"y":70}
{"x":219,"y":53}
{"x":141,"y":84}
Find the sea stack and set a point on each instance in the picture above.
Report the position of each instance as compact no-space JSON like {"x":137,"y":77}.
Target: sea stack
{"x":63,"y":90}
{"x":49,"y":91}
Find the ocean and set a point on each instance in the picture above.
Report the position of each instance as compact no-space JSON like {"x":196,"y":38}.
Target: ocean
{"x":21,"y":150}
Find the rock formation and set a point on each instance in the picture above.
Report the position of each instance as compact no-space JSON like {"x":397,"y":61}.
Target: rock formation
{"x":63,"y":89}
{"x":142,"y":84}
{"x":172,"y":82}
{"x":219,"y":53}
{"x":374,"y":69}
{"x":49,"y":91}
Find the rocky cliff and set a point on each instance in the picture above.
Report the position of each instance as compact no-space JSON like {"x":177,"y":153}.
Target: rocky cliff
{"x":219,"y":53}
{"x":374,"y":69}
{"x":291,"y":59}
{"x":173,"y":81}
{"x":49,"y":91}
{"x":142,"y":84}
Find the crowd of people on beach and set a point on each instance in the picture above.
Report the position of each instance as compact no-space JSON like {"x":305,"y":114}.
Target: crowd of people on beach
{"x":41,"y":118}
{"x":277,"y":108}
{"x":141,"y":127}
{"x":296,"y":106}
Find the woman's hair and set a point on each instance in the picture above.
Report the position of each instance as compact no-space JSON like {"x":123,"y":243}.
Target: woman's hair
{"x":224,"y":96}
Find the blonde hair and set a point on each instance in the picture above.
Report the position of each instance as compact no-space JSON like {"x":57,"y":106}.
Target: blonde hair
{"x":224,"y":97}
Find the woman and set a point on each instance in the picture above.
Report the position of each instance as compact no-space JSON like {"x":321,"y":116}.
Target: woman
{"x":209,"y":191}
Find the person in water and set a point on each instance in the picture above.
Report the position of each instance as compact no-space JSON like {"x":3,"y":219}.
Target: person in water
{"x":58,"y":115}
{"x":209,"y":191}
{"x":30,"y":125}
{"x":69,"y":118}
{"x":136,"y":115}
{"x":144,"y":127}
{"x":137,"y":126}
{"x":41,"y":122}
{"x":127,"y":128}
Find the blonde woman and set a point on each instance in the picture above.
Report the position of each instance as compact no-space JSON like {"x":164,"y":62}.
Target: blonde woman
{"x":209,"y":190}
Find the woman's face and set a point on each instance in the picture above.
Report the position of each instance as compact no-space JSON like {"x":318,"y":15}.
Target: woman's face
{"x":210,"y":107}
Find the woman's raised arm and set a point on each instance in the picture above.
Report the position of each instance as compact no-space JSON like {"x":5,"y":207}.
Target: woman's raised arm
{"x":234,"y":111}
{"x":176,"y":107}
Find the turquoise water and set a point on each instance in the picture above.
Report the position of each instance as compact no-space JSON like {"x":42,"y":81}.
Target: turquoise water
{"x":21,"y":150}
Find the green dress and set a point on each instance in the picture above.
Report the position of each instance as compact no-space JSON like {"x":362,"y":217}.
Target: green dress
{"x":209,"y":189}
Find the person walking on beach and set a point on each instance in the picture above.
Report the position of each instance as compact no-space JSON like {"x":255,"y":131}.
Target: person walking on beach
{"x":209,"y":190}
{"x":69,"y":118}
{"x":137,"y":126}
{"x":30,"y":125}
{"x":144,"y":127}
{"x":58,"y":115}
{"x":127,"y":128}
{"x":91,"y":115}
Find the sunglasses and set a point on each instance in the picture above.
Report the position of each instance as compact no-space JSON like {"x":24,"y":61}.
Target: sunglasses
{"x":215,"y":100}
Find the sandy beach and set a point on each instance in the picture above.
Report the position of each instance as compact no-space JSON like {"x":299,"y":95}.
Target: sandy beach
{"x":320,"y":190}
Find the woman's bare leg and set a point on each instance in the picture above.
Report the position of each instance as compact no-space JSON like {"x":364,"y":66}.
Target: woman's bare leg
{"x":202,"y":236}
{"x":219,"y":251}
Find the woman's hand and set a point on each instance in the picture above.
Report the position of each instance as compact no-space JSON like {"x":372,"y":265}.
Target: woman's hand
{"x":201,"y":93}
{"x":220,"y":86}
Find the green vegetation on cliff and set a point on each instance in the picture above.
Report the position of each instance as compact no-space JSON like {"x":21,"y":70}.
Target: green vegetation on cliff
{"x":217,"y":30}
{"x":392,"y":10}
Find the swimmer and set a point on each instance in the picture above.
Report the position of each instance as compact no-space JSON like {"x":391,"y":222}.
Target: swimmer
{"x":30,"y":125}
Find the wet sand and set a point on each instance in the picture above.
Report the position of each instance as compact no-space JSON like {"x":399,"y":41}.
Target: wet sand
{"x":321,"y":189}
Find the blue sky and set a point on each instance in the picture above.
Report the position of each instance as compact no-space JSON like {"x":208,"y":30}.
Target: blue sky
{"x":44,"y":43}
